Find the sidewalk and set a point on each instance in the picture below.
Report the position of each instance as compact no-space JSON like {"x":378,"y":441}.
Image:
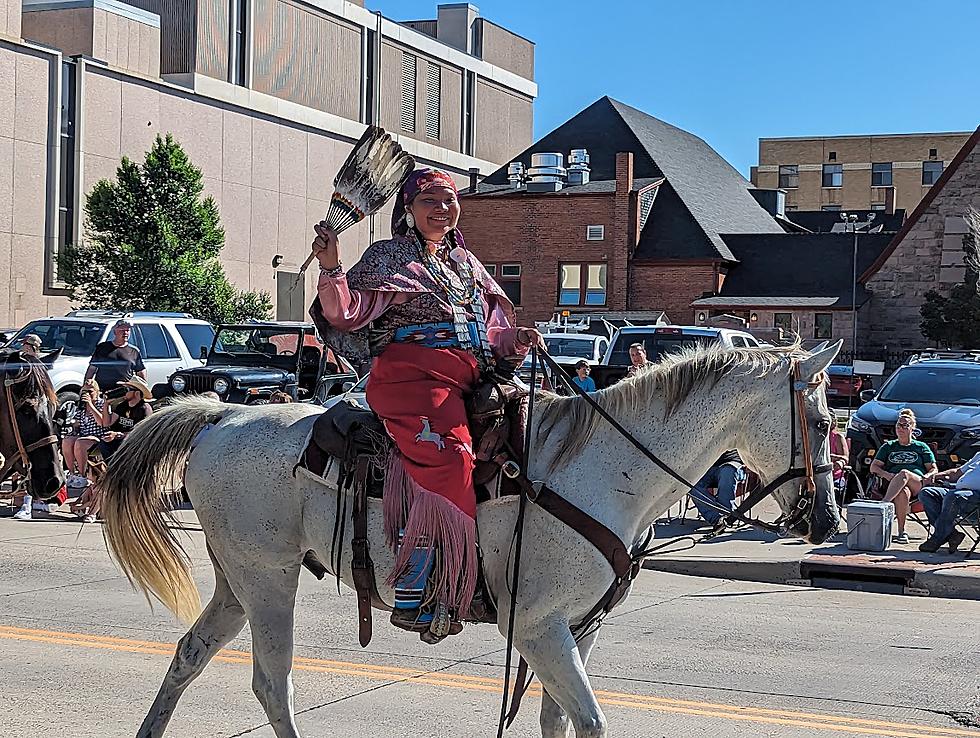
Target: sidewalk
{"x":752,"y":555}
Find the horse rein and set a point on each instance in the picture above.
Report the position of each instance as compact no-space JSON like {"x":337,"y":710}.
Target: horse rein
{"x":23,"y":452}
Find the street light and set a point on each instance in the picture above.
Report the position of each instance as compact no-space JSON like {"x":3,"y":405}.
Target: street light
{"x":851,"y":220}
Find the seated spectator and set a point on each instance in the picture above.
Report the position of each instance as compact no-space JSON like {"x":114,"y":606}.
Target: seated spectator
{"x":279,"y":398}
{"x":582,"y":378}
{"x":88,"y":506}
{"x":85,"y":432}
{"x":944,"y":505}
{"x":120,"y":421}
{"x":31,"y":344}
{"x":906,"y":464}
{"x":840,"y":450}
{"x":723,"y":477}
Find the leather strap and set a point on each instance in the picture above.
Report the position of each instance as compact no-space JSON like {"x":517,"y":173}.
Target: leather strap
{"x":362,"y":568}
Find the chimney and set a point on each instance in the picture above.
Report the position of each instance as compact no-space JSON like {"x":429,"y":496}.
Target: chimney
{"x":515,"y":175}
{"x":578,"y":167}
{"x":546,"y":173}
{"x":454,"y":26}
{"x":624,"y":172}
{"x":474,"y":178}
{"x":772,"y":201}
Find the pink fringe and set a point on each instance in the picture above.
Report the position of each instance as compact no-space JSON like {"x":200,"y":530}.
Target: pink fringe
{"x":433,"y":522}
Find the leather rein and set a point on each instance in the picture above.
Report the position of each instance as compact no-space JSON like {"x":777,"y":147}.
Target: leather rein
{"x":11,"y":406}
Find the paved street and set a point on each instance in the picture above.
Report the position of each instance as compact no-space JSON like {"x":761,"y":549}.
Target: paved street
{"x":83,"y":655}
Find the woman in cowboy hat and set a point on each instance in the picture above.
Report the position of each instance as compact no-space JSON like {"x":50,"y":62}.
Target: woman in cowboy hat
{"x":121,"y":419}
{"x":433,"y":319}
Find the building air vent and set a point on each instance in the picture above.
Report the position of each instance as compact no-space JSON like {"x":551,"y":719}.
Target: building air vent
{"x":595,"y":233}
{"x":408,"y":93}
{"x":646,"y":204}
{"x":546,"y":173}
{"x":578,"y":167}
{"x":432,"y":107}
{"x":515,"y":175}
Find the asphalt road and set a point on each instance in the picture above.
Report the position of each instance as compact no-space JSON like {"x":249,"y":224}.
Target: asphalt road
{"x":82,"y":655}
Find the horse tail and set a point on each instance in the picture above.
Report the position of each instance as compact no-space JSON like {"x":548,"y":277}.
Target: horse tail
{"x":134,"y":495}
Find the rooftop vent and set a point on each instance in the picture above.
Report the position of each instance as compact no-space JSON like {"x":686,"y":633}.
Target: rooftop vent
{"x":578,"y":167}
{"x":547,"y":173}
{"x":515,"y":175}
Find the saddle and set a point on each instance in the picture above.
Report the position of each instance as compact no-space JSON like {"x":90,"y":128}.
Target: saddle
{"x":355,"y":439}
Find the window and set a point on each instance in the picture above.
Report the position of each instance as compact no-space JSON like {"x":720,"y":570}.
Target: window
{"x":492,"y":268}
{"x":833,"y":175}
{"x":582,"y":284}
{"x":738,"y":342}
{"x":433,"y":88}
{"x":408,"y":93}
{"x":196,"y":337}
{"x":830,"y":208}
{"x":881,"y":175}
{"x":66,"y":173}
{"x":784,"y":321}
{"x":832,"y":156}
{"x":933,"y":153}
{"x":878,"y":206}
{"x":510,"y":281}
{"x":789,"y":175}
{"x":792,"y":208}
{"x":823,"y":325}
{"x":240,"y":41}
{"x":156,"y":343}
{"x":931,"y":171}
{"x":595,"y":232}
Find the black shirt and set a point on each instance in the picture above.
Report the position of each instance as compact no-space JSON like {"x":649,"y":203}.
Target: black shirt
{"x":114,"y":364}
{"x":129,"y":415}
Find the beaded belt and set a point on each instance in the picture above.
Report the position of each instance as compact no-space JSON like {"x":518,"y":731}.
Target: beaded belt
{"x":437,"y":335}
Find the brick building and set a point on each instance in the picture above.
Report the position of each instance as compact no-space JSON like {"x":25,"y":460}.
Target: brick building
{"x":644,"y":233}
{"x":849,"y":173}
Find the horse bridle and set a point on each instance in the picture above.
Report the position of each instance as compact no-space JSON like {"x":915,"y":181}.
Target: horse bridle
{"x":22,"y":456}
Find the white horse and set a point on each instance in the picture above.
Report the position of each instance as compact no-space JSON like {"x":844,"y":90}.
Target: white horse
{"x":260,"y":519}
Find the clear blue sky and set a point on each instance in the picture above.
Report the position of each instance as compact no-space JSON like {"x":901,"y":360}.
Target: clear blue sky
{"x":733,"y":71}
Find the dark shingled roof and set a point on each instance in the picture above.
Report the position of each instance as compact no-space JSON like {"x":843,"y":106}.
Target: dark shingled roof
{"x":825,"y":221}
{"x":707,"y":195}
{"x":780,"y":269}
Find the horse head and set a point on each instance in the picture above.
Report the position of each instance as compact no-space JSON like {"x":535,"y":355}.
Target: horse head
{"x":28,"y":436}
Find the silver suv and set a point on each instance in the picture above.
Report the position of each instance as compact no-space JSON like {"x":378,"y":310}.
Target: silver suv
{"x":168,"y":343}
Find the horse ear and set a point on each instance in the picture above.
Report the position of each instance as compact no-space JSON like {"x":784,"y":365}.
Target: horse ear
{"x":819,"y":361}
{"x":819,"y":347}
{"x":49,"y":358}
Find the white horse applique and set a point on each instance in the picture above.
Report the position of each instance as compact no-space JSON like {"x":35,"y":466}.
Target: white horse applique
{"x":427,"y":434}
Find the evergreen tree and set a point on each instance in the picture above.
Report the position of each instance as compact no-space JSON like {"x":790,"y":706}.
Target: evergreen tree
{"x":954,"y":321}
{"x":153,"y":243}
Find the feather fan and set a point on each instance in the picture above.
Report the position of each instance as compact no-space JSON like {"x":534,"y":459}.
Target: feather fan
{"x":374,"y":171}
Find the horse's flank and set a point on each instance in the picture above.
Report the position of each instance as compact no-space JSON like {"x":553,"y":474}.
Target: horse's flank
{"x":675,"y":376}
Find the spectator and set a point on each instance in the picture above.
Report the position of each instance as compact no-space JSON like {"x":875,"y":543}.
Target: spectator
{"x":840,"y":450}
{"x":943,"y":505}
{"x":85,"y":432}
{"x":115,"y":361}
{"x":724,"y":478}
{"x":582,"y":378}
{"x":906,"y":464}
{"x":31,"y":344}
{"x":89,"y":505}
{"x":279,"y":398}
{"x":131,"y":410}
{"x":638,"y":358}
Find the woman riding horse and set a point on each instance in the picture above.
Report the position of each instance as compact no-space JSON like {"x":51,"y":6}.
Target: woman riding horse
{"x":433,"y":319}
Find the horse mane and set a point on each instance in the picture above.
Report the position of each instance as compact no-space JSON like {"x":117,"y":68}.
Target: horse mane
{"x":674,"y":378}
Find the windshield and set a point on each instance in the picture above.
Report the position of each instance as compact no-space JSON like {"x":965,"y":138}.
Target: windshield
{"x":196,"y":337}
{"x":256,"y":342}
{"x":938,"y":385}
{"x":563,"y":346}
{"x":76,"y":338}
{"x":656,"y":344}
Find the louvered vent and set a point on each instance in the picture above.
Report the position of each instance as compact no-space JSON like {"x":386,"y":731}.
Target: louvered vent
{"x":595,"y":233}
{"x":408,"y":92}
{"x":432,"y":107}
{"x":646,"y":203}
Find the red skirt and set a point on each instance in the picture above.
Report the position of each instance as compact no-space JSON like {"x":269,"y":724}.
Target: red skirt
{"x":429,"y":496}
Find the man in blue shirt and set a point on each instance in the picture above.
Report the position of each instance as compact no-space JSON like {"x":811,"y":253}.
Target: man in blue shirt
{"x":582,"y":378}
{"x":943,"y":506}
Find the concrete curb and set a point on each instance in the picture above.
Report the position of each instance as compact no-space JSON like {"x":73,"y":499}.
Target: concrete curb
{"x":746,"y":570}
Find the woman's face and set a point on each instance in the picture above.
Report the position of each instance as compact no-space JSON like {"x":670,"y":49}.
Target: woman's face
{"x":436,"y":212}
{"x":904,"y":428}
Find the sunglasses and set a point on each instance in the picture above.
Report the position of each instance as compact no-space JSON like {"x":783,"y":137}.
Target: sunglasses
{"x":905,"y":425}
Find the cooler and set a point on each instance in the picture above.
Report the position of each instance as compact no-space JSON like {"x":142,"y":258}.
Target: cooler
{"x":869,"y":525}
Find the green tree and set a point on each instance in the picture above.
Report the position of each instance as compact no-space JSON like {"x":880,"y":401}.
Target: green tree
{"x":153,"y":244}
{"x":954,"y":321}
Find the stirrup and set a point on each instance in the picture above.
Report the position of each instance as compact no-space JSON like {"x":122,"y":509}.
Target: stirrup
{"x":416,"y":619}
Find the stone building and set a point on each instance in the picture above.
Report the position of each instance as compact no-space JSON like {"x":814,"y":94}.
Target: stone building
{"x":877,"y":172}
{"x":266,"y":96}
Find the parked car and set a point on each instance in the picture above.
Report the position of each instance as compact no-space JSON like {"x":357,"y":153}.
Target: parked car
{"x":356,"y":393}
{"x":169,"y":342}
{"x":248,"y":362}
{"x":567,"y":349}
{"x":844,"y":384}
{"x":943,"y":393}
{"x":659,"y":340}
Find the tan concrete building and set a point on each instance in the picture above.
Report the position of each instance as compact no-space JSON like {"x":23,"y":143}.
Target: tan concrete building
{"x":855,"y":172}
{"x":266,"y":96}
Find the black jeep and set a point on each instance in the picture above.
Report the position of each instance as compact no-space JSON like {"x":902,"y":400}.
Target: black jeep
{"x":248,"y":362}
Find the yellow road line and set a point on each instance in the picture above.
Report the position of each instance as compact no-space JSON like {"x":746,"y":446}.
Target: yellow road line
{"x":836,"y":723}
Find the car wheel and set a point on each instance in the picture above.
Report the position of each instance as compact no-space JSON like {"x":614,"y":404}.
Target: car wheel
{"x":67,"y":404}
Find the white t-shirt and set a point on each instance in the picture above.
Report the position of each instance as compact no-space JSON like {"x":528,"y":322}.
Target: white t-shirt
{"x":971,"y":474}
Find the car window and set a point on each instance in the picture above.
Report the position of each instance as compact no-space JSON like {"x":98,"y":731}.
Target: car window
{"x":75,"y":338}
{"x":156,"y":344}
{"x":738,"y":342}
{"x":938,"y":385}
{"x":563,"y":346}
{"x":196,"y":336}
{"x":657,"y":345}
{"x":751,"y":342}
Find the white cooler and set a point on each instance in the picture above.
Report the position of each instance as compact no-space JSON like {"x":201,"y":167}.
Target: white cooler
{"x":869,"y":525}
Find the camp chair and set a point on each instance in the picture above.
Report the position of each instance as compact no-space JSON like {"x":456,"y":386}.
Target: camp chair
{"x":876,"y":490}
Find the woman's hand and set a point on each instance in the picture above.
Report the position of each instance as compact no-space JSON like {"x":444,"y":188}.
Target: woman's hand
{"x":325,"y":246}
{"x":529,"y":337}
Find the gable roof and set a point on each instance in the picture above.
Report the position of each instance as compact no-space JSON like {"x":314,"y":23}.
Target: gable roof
{"x":787,"y":268}
{"x":924,"y":203}
{"x":711,"y":197}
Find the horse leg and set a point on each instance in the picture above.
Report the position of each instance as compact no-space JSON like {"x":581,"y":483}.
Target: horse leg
{"x":221,"y":620}
{"x":554,"y":720}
